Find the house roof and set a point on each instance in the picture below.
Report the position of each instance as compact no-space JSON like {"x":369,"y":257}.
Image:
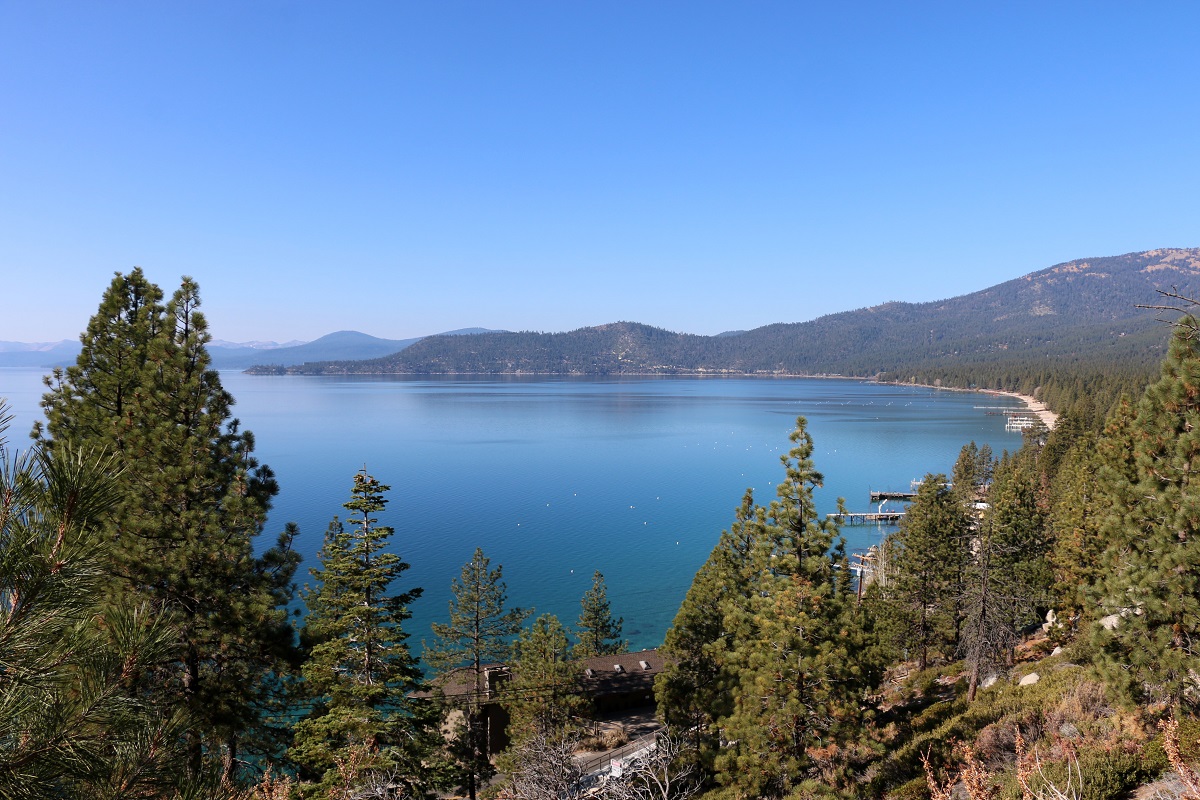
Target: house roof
{"x":621,"y":673}
{"x":600,"y":676}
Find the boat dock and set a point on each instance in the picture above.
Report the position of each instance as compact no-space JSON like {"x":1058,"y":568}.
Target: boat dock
{"x":867,"y":517}
{"x":879,"y":497}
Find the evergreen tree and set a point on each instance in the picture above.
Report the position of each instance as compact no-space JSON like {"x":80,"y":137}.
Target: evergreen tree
{"x":801,"y":651}
{"x":972,"y":472}
{"x":694,"y":690}
{"x":542,"y":694}
{"x":1020,"y":567}
{"x":360,"y":670}
{"x":479,"y":633}
{"x":1076,"y":514}
{"x":1153,"y":587}
{"x":986,"y":637}
{"x":68,"y":725}
{"x":923,"y":572}
{"x":192,"y":501}
{"x":599,"y":634}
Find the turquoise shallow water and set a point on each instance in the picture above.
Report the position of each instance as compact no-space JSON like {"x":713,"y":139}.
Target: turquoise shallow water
{"x":556,"y":478}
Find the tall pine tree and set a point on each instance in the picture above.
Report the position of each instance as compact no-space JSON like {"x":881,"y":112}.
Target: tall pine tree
{"x":193,"y":501}
{"x":1153,"y":537}
{"x":802,"y":654}
{"x":480,"y":632}
{"x":921,"y":596}
{"x":69,"y":726}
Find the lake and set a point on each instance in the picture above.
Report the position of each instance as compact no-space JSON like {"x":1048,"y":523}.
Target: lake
{"x":558,"y":477}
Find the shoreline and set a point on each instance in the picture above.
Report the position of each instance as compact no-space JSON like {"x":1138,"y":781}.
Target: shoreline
{"x":1035,"y":406}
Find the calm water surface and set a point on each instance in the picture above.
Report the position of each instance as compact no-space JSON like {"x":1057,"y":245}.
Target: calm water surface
{"x":556,"y":478}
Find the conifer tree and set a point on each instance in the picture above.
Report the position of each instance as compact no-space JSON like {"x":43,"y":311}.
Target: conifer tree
{"x":599,"y":634}
{"x":986,"y":636}
{"x":68,"y":725}
{"x":1021,"y":543}
{"x":1077,"y":510}
{"x":542,"y":696}
{"x":360,"y":670}
{"x":801,"y":652}
{"x":923,"y":572}
{"x":1153,"y":554}
{"x":480,"y":632}
{"x":694,"y":690}
{"x":192,"y":501}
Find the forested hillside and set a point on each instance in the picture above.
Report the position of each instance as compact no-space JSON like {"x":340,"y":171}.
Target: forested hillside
{"x":1027,"y":631}
{"x":1080,"y":314}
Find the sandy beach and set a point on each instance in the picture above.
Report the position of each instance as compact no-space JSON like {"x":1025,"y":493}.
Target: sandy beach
{"x":1036,"y":407}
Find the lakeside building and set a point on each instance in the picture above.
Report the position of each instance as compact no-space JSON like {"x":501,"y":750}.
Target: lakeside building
{"x":612,"y":684}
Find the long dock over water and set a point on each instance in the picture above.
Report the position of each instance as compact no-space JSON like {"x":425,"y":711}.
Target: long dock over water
{"x":867,"y":517}
{"x":877,"y":497}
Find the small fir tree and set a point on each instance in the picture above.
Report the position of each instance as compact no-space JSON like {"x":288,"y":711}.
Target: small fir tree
{"x":599,"y":634}
{"x":1020,"y":540}
{"x":543,"y":692}
{"x":480,"y":632}
{"x":360,"y":670}
{"x":693,"y":691}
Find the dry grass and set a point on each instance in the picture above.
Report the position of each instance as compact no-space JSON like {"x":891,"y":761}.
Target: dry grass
{"x":1187,"y":775}
{"x":974,"y":776}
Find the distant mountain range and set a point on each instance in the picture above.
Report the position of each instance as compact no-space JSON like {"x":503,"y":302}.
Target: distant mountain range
{"x":1083,"y":310}
{"x":234,"y":355}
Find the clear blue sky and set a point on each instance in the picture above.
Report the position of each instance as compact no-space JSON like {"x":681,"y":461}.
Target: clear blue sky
{"x":403,"y":168}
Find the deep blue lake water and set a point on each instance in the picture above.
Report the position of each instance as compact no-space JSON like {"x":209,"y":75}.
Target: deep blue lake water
{"x":556,"y":478}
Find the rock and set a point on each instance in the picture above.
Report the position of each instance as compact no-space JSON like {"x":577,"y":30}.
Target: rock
{"x":1030,"y":679}
{"x":1056,"y":651}
{"x":1110,"y":622}
{"x":1068,"y":731}
{"x":989,"y":681}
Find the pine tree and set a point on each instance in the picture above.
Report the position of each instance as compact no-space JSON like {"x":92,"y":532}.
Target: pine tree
{"x":986,"y":636}
{"x":192,"y":501}
{"x":360,"y":670}
{"x":1076,"y":514}
{"x":599,"y":634}
{"x":694,"y":690}
{"x":542,"y":696}
{"x":801,"y":652}
{"x":923,"y":573}
{"x":68,"y":725}
{"x":1021,"y":565}
{"x":480,"y":632}
{"x":1009,"y":575}
{"x":1153,"y":585}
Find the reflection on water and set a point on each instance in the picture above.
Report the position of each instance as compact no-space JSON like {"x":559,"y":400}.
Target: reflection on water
{"x":556,"y":478}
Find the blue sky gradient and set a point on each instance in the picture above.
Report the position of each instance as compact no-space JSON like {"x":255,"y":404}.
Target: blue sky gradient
{"x":407,"y":168}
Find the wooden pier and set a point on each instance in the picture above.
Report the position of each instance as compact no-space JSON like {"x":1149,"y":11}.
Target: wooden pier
{"x":907,"y":497}
{"x":867,"y":517}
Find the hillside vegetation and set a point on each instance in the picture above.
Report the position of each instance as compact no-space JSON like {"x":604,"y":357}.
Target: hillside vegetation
{"x":1028,"y":631}
{"x":1083,"y":312}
